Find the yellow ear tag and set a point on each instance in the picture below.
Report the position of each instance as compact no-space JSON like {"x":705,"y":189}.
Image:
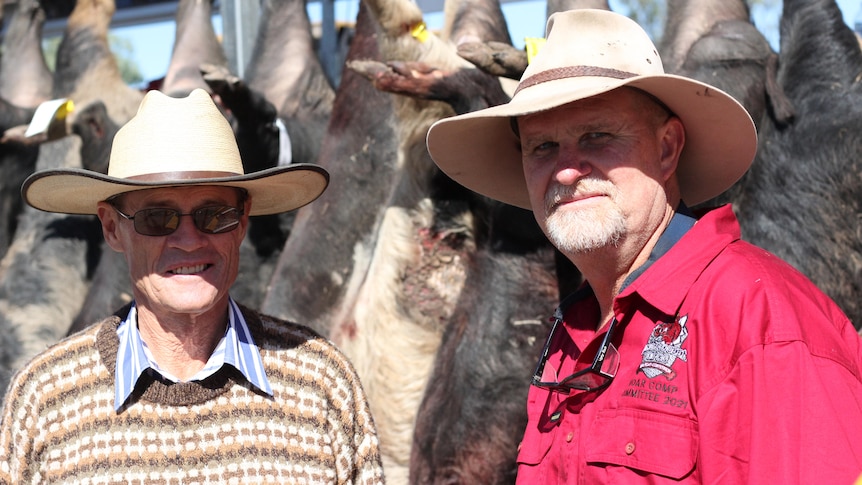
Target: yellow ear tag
{"x":420,"y":32}
{"x":65,"y":109}
{"x":533,"y":45}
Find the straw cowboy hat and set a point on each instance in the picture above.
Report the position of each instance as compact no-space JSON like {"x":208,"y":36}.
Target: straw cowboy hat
{"x":174,"y":142}
{"x":589,"y":52}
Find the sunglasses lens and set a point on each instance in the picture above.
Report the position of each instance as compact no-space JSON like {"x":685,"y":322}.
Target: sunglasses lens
{"x":210,"y":220}
{"x":586,"y":376}
{"x":156,"y":222}
{"x":216,"y":219}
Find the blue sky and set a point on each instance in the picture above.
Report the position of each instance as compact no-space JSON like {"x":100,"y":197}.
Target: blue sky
{"x":152,"y":44}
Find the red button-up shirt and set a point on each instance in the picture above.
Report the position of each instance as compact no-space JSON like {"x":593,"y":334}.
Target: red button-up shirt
{"x":734,"y":368}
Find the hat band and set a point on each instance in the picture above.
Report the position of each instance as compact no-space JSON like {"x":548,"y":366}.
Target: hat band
{"x":179,"y":176}
{"x":572,"y":71}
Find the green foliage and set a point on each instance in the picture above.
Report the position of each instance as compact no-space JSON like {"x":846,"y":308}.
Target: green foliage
{"x":49,"y":48}
{"x":121,"y":47}
{"x":765,"y":3}
{"x":124,"y":52}
{"x":649,"y":14}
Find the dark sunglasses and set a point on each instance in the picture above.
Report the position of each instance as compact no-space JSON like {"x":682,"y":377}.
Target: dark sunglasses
{"x":585,"y":378}
{"x":215,"y":219}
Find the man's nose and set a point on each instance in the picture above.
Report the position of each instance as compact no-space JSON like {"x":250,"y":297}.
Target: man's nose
{"x":570,"y":168}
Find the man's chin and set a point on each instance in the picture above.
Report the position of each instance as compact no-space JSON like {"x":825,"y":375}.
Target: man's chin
{"x":578,"y":235}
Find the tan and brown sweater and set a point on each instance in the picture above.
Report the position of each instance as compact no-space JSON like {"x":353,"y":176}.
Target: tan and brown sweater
{"x":59,"y":424}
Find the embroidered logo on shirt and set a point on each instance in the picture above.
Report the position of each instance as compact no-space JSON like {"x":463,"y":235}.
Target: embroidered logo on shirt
{"x":664,"y":347}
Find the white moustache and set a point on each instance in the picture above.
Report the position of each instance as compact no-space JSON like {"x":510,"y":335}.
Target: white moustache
{"x":585,"y":187}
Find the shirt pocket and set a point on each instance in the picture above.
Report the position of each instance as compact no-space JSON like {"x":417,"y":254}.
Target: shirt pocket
{"x":645,"y":441}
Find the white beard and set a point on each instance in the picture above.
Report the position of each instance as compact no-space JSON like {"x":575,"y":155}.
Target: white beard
{"x":584,"y":230}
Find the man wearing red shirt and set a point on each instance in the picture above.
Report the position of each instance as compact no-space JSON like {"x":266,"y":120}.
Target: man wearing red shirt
{"x":689,"y":355}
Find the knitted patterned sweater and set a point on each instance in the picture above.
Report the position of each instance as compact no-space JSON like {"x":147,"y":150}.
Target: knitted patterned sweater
{"x":59,"y":424}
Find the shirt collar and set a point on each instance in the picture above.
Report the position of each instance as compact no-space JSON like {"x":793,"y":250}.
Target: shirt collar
{"x":237,"y":348}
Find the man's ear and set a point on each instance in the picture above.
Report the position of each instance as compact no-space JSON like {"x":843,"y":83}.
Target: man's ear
{"x":110,"y":226}
{"x":672,"y":141}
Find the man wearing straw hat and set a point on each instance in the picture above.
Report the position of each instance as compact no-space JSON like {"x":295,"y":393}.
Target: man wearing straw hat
{"x":688,"y":355}
{"x":184,"y":385}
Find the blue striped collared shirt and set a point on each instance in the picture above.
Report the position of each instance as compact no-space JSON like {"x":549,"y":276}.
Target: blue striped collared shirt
{"x":236,"y":348}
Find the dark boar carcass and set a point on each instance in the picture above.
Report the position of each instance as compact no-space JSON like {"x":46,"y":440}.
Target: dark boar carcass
{"x":472,"y":413}
{"x":365,"y":263}
{"x":280,"y":112}
{"x":285,"y":69}
{"x":392,"y":269}
{"x":25,"y":82}
{"x":44,"y":275}
{"x":195,"y":44}
{"x":714,"y":41}
{"x":802,"y":198}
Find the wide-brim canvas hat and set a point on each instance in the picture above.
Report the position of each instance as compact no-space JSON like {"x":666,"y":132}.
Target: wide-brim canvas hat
{"x":175,"y":142}
{"x":588,"y":52}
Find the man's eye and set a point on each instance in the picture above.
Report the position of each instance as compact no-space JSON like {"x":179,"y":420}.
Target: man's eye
{"x":545,"y":147}
{"x":596,"y":136}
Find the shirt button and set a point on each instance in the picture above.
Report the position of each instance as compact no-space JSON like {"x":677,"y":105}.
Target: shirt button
{"x":569,"y":437}
{"x":630,"y":448}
